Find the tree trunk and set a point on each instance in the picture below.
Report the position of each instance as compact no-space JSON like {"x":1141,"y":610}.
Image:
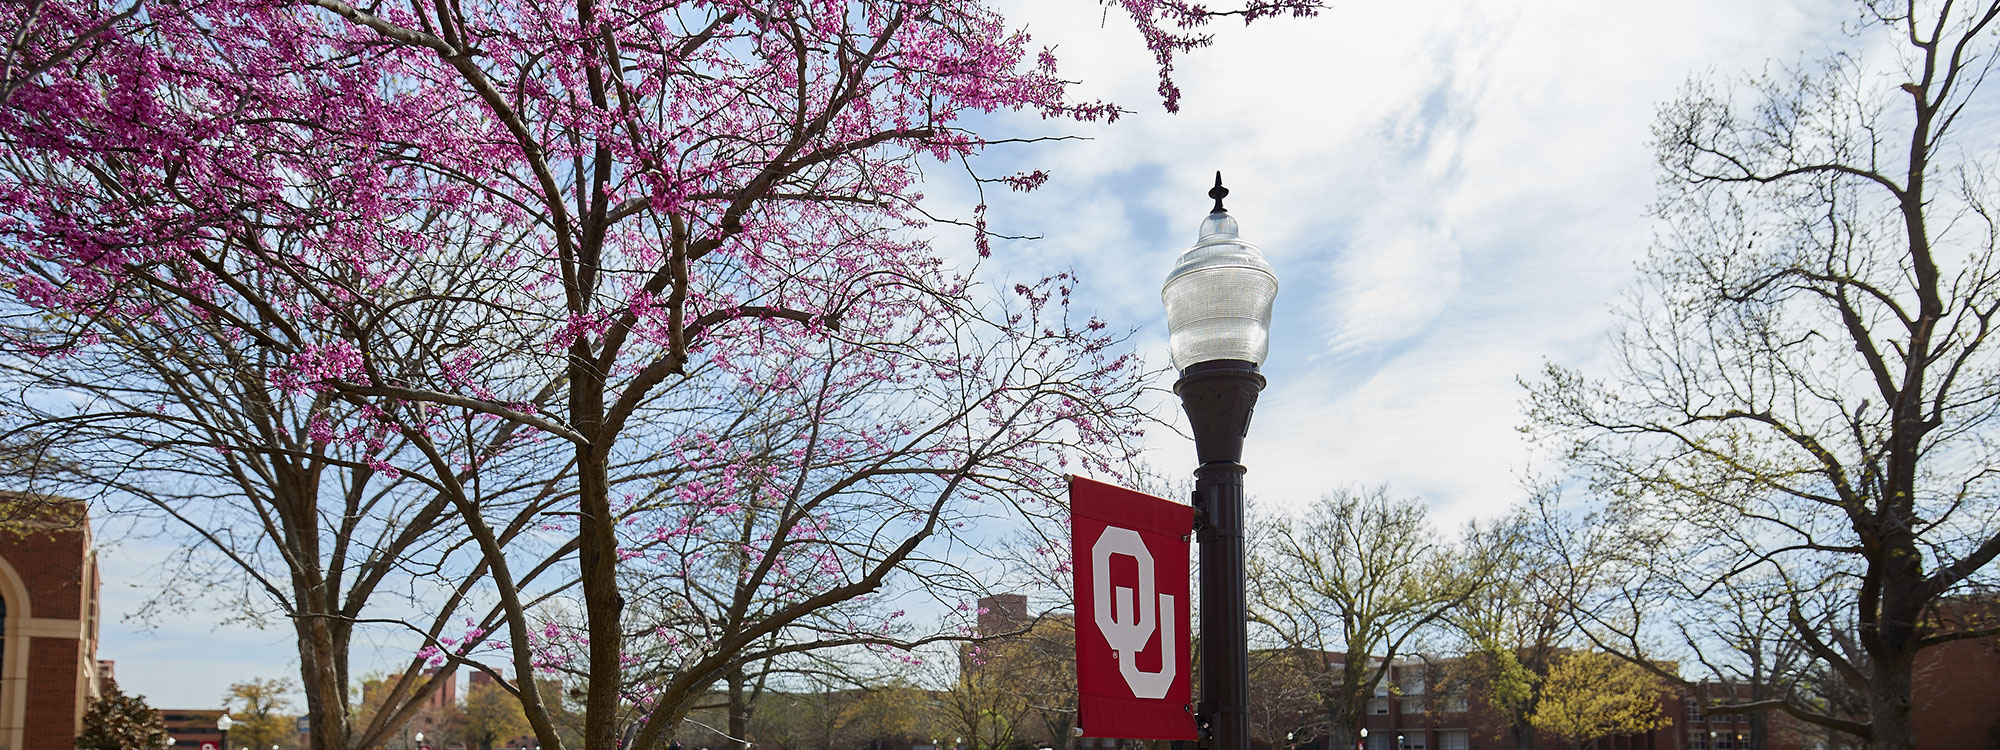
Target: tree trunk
{"x":1889,"y":619}
{"x":322,"y":662}
{"x":739,"y":713}
{"x":597,"y":557}
{"x":326,"y":707}
{"x":1524,"y":736}
{"x":1889,"y":704}
{"x":1341,"y":731}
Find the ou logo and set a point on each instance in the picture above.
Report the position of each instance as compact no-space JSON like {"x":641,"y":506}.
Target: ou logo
{"x":1128,"y":618}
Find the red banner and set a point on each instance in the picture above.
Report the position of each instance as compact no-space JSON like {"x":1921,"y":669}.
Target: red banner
{"x":1132,"y":668}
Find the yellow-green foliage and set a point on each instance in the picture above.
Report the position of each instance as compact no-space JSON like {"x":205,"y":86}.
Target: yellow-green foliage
{"x":1592,"y":694}
{"x":492,"y":715}
{"x":258,"y":707}
{"x":1510,"y":689}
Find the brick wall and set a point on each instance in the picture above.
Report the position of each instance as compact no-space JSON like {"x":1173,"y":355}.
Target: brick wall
{"x":51,"y":564}
{"x":1955,"y":701}
{"x":50,"y":658}
{"x":51,"y":720}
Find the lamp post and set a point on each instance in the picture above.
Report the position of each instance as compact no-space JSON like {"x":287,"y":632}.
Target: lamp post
{"x":223,"y":723}
{"x":1218,"y":302}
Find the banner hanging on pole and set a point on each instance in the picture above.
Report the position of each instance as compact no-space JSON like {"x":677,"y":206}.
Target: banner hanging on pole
{"x":1133,"y":678}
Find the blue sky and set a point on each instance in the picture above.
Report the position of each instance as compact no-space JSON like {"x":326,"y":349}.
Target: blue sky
{"x":1452,"y":193}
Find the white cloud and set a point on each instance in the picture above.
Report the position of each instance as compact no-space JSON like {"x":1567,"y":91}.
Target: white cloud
{"x":1451,"y":193}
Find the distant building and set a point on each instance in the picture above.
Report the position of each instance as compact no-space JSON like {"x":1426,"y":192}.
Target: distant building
{"x":433,"y":715}
{"x":480,"y":677}
{"x":1955,"y":696}
{"x":193,"y":728}
{"x":48,"y":621}
{"x":1003,"y":613}
{"x":1413,"y":708}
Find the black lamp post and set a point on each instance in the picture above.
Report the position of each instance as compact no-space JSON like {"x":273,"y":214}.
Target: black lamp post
{"x":222,"y":724}
{"x":1218,"y":301}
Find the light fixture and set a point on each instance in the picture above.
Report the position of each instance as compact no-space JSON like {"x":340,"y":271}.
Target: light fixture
{"x":1219,"y":295}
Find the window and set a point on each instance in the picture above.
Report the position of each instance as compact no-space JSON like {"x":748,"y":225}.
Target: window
{"x":1452,"y":704}
{"x":1694,"y":711}
{"x":1698,"y":741}
{"x":1724,"y":743}
{"x":1379,"y":706}
{"x":1413,"y":741}
{"x":1379,"y":742}
{"x":1410,"y":705}
{"x":1454,"y":739}
{"x":1410,"y":680}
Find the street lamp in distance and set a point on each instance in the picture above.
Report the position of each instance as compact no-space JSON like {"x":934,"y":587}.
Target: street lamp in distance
{"x":223,"y":723}
{"x":1218,"y":302}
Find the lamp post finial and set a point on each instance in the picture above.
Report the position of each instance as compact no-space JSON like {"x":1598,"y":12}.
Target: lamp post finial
{"x":1218,"y":193}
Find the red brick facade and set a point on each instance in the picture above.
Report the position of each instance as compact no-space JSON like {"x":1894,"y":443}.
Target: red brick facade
{"x":1417,"y":707}
{"x":1955,"y":701}
{"x":48,"y":638}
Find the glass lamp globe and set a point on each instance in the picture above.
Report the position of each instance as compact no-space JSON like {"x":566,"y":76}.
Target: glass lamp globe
{"x":223,"y":722}
{"x":1219,"y":297}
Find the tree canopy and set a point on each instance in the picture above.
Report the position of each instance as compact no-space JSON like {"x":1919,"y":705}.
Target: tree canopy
{"x":1798,"y":426}
{"x":1592,"y":695}
{"x":259,"y":708}
{"x":1354,"y":581}
{"x":625,"y":320}
{"x":116,"y":721}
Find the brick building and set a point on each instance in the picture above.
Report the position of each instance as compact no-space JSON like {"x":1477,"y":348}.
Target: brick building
{"x":433,"y":716}
{"x":1955,"y":701}
{"x":1956,"y":706}
{"x":1417,"y":706}
{"x":193,"y":728}
{"x":48,"y":622}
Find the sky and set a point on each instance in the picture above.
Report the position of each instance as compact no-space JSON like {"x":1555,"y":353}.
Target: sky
{"x":1452,"y":193}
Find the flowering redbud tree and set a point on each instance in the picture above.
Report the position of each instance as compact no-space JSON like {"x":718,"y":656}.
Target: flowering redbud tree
{"x":673,"y":252}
